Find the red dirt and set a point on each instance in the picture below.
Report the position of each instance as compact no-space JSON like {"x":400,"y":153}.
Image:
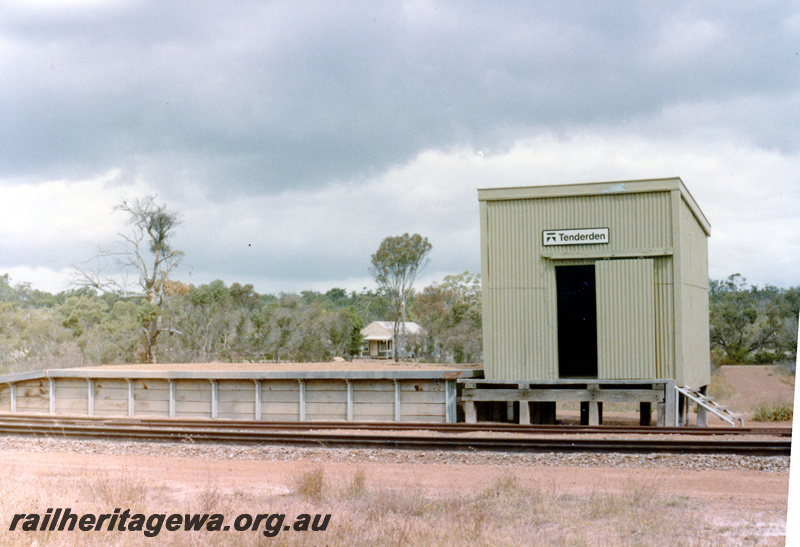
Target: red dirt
{"x":755,"y":384}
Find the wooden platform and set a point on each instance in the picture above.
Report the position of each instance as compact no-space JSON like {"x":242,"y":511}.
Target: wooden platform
{"x":272,"y":392}
{"x":535,"y":401}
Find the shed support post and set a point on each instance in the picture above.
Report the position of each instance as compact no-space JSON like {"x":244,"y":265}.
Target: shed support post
{"x":214,"y":398}
{"x":524,"y":408}
{"x":131,"y":399}
{"x":13,"y":388}
{"x":685,"y":410}
{"x":670,"y":405}
{"x":470,"y":412}
{"x":258,"y":400}
{"x":90,"y":396}
{"x":677,"y":409}
{"x":681,"y":410}
{"x":349,"y":400}
{"x":591,"y":413}
{"x":450,"y":402}
{"x":52,"y":395}
{"x":702,"y":413}
{"x":594,"y":413}
{"x":172,"y":390}
{"x":398,"y":410}
{"x":302,"y":400}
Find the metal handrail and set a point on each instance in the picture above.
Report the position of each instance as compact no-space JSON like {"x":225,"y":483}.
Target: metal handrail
{"x":703,"y":401}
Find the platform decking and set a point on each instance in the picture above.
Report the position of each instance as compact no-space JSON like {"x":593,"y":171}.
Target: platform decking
{"x":411,"y":394}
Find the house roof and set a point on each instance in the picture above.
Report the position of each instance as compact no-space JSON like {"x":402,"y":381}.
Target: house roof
{"x":383,"y":330}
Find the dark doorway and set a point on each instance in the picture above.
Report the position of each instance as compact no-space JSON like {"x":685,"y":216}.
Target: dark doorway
{"x":577,"y":322}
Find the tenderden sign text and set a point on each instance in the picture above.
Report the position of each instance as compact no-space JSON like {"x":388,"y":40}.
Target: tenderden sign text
{"x":585,"y":236}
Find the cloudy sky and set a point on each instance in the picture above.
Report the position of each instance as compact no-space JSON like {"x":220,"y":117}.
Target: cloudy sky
{"x":294,"y":136}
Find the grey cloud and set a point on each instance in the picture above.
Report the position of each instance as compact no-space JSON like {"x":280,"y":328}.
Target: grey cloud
{"x":266,"y":96}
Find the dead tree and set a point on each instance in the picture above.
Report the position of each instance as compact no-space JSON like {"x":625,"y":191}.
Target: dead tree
{"x":145,"y":251}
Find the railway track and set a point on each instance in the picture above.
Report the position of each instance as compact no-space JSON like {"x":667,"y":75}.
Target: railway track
{"x":490,"y":427}
{"x":769,"y":441}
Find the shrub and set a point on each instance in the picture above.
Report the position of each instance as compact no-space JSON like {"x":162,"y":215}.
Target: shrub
{"x":776,"y":412}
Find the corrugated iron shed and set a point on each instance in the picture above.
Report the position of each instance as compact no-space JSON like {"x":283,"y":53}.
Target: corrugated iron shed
{"x":642,"y":246}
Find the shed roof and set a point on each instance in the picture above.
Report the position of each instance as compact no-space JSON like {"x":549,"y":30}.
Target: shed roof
{"x":598,"y":189}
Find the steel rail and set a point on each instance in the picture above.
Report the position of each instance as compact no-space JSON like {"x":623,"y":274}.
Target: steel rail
{"x":214,"y":434}
{"x":490,"y":427}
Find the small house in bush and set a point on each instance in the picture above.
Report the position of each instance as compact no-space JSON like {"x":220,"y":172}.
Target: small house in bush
{"x":379,"y":338}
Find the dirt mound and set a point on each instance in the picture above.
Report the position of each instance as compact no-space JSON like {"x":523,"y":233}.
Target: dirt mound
{"x":751,"y":385}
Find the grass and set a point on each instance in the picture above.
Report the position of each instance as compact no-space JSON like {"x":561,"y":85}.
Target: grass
{"x":126,"y":491}
{"x":774,"y":412}
{"x":505,"y":512}
{"x":357,"y":487}
{"x":311,"y":484}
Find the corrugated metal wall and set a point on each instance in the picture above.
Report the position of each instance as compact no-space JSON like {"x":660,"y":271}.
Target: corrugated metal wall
{"x":664,"y":318}
{"x":635,"y":221}
{"x":694,"y":295}
{"x":520,"y":308}
{"x":625,"y":319}
{"x":524,"y":333}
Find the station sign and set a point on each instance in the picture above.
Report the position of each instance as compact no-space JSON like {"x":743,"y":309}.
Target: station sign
{"x":584,"y":236}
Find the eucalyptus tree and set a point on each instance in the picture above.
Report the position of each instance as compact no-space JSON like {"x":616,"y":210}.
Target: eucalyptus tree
{"x":145,"y":252}
{"x":395,"y":266}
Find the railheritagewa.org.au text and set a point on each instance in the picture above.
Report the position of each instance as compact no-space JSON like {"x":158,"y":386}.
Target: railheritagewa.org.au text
{"x":64,"y":520}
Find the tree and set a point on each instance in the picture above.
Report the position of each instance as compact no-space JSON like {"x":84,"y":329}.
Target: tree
{"x":450,"y":312}
{"x":146,"y":250}
{"x":751,"y":324}
{"x":343,"y":331}
{"x":206,"y":320}
{"x":395,"y":267}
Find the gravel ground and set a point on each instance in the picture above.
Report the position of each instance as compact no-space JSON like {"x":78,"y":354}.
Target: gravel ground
{"x":697,"y":462}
